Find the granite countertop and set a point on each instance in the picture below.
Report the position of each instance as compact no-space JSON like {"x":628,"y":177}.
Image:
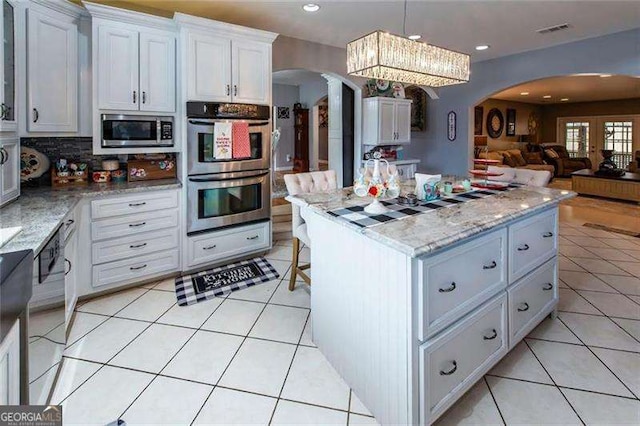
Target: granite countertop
{"x":40,"y":211}
{"x":425,"y":233}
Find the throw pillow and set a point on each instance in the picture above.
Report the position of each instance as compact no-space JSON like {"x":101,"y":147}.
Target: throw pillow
{"x":551,"y":153}
{"x":509,"y":159}
{"x":533,"y":158}
{"x":516,"y":154}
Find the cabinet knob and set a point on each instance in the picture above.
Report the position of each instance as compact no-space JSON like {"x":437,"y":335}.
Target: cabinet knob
{"x":68,"y":262}
{"x":135,"y":96}
{"x":524,"y":307}
{"x":36,"y":115}
{"x":144,"y":97}
{"x":135,"y":246}
{"x":3,"y":111}
{"x":235,"y":90}
{"x":548,"y":287}
{"x":492,"y":266}
{"x":450,"y":372}
{"x":448,"y":289}
{"x":524,"y":247}
{"x":228,"y":90}
{"x":209,"y":248}
{"x":547,"y":235}
{"x":137,"y":268}
{"x":493,"y":335}
{"x":4,"y":156}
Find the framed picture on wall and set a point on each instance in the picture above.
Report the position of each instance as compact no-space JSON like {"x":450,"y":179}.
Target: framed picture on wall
{"x":477,"y":120}
{"x":511,"y":122}
{"x":418,"y":108}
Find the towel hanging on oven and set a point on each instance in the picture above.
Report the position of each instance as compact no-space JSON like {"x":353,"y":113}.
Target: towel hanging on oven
{"x":241,"y":141}
{"x":222,"y":142}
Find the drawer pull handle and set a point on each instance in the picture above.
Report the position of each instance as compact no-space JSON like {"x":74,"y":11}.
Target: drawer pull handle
{"x":448,"y":289}
{"x":135,"y":225}
{"x":209,"y":248}
{"x":495,"y":334}
{"x":69,"y":222}
{"x":525,"y":307}
{"x":137,"y":268}
{"x":137,"y":245}
{"x":493,"y":265}
{"x":450,"y":372}
{"x":547,"y":235}
{"x":137,"y":204}
{"x":549,"y":286}
{"x":255,"y":237}
{"x":524,"y":247}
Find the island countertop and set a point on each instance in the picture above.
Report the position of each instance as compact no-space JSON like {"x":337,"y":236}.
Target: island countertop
{"x":40,"y":211}
{"x":427,"y":232}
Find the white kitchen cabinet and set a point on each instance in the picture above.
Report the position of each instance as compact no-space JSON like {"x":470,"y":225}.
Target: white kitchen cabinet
{"x":52,"y":72}
{"x":117,"y":68}
{"x":157,"y":72}
{"x":10,"y":367}
{"x":407,"y":171}
{"x":386,"y":121}
{"x":9,"y":169}
{"x":250,"y":72}
{"x":8,"y":120}
{"x":70,"y":275}
{"x":209,"y":68}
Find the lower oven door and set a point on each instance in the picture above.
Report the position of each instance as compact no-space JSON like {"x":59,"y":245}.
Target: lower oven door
{"x":226,"y":199}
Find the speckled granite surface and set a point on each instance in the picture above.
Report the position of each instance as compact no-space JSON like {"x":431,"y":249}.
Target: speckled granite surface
{"x":40,"y":211}
{"x":424,"y":233}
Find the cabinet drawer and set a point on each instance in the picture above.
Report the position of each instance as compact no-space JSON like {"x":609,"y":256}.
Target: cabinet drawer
{"x":137,"y":268}
{"x":456,"y":281}
{"x":532,"y":242}
{"x":133,"y":224}
{"x":134,"y":203}
{"x":208,"y":248}
{"x":134,"y":245}
{"x":531,"y":299}
{"x":454,"y":361}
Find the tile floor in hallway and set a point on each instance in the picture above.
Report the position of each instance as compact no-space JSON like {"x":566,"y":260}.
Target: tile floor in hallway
{"x":249,"y":359}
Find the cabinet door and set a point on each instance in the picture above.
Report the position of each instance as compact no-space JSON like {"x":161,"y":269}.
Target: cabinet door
{"x":52,"y":74}
{"x":209,"y":68}
{"x":157,"y":72}
{"x":386,"y":122}
{"x":10,"y":367}
{"x":118,"y":69}
{"x":8,"y":69}
{"x":403,"y":122}
{"x":251,"y":72}
{"x":10,"y":169}
{"x":70,"y":277}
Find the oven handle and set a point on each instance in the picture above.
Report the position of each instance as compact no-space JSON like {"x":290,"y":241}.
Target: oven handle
{"x":214,"y":179}
{"x":207,"y":123}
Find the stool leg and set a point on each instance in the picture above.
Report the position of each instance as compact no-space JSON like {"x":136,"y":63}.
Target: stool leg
{"x":294,"y":264}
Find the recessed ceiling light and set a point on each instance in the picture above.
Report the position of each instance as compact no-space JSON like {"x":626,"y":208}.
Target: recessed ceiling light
{"x":311,"y":7}
{"x":546,"y":97}
{"x":564,"y":99}
{"x":524,"y":93}
{"x":605,"y":75}
{"x":482,"y":47}
{"x":415,"y":37}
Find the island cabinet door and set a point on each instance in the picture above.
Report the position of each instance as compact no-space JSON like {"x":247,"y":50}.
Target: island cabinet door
{"x":532,"y":242}
{"x":456,"y":281}
{"x":451,"y":363}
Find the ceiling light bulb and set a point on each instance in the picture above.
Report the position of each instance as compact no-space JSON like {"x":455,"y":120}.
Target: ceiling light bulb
{"x":605,"y":75}
{"x":482,"y":47}
{"x":564,"y":99}
{"x":415,"y":37}
{"x":546,"y":97}
{"x":311,"y":7}
{"x":524,"y":93}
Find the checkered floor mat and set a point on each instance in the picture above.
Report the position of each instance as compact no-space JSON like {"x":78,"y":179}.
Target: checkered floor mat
{"x":194,"y":288}
{"x":357,"y":216}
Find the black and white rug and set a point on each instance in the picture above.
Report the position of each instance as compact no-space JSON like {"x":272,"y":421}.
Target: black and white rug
{"x":194,"y":288}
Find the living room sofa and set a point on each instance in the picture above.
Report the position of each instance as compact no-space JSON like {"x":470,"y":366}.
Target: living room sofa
{"x":563,"y":164}
{"x":517,"y":159}
{"x":523,"y":176}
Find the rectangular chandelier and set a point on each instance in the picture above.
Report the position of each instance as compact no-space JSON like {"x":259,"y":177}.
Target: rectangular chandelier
{"x":385,"y":56}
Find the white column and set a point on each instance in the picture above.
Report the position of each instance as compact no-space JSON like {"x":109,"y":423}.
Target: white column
{"x":335,"y":125}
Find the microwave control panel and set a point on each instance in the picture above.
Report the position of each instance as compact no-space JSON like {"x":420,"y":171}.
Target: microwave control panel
{"x":166,"y":130}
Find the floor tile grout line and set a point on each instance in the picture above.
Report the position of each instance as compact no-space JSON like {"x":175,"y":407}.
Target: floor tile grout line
{"x":553,"y":380}
{"x":601,"y":361}
{"x":486,"y":382}
{"x":580,"y":344}
{"x":349,"y":404}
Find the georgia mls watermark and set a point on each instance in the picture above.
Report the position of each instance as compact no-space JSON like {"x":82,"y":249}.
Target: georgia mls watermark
{"x":31,"y":415}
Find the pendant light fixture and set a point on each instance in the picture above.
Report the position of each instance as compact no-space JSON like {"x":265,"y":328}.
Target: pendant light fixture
{"x":386,"y":56}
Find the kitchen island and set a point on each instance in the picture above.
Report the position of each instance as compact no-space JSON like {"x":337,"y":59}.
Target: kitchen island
{"x":413,"y":311}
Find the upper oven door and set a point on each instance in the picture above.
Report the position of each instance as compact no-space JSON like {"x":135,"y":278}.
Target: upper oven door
{"x":200,"y":148}
{"x":136,"y":130}
{"x":216,"y":201}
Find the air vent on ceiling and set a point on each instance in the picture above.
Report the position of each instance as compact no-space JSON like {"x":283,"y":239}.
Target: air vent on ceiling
{"x":553,"y":29}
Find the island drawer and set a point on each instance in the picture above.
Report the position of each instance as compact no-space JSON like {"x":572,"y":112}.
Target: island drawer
{"x":455,"y":282}
{"x":531,"y":299}
{"x":134,"y":203}
{"x":134,"y":245}
{"x":210,"y":247}
{"x":136,"y":269}
{"x":133,"y":224}
{"x":532,"y":242}
{"x":451,"y":363}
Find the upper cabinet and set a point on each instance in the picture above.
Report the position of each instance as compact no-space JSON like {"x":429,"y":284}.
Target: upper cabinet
{"x":8,"y":120}
{"x":52,"y":71}
{"x":225,"y":62}
{"x":158,"y":72}
{"x":386,"y":121}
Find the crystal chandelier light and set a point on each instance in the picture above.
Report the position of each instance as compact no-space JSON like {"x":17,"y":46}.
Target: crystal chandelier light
{"x":385,"y":56}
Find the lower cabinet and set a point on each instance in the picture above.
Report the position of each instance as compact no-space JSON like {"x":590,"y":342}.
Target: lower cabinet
{"x":10,"y":367}
{"x":137,"y":268}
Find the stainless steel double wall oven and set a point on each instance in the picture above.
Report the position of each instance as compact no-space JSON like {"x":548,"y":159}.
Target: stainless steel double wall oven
{"x":227,"y":192}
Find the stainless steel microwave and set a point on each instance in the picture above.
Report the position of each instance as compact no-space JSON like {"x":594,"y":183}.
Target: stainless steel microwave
{"x":129,"y":131}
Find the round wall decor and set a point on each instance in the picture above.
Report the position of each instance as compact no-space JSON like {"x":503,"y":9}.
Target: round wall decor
{"x":495,"y":123}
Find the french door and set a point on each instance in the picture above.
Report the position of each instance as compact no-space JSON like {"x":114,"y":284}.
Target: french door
{"x":587,"y":136}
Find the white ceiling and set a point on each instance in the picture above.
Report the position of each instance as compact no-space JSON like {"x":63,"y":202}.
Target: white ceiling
{"x":581,"y":88}
{"x":508,"y":26}
{"x":297,"y":77}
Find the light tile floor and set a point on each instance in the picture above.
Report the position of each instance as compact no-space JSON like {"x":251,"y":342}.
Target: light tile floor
{"x":249,"y":358}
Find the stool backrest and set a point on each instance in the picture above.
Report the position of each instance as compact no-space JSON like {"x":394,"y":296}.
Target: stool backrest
{"x":301,"y":183}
